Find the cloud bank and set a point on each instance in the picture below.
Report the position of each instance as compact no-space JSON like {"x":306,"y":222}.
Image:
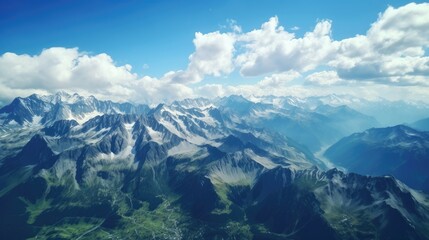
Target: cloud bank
{"x":390,"y":58}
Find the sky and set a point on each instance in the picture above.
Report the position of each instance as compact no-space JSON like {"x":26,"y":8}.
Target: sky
{"x":151,"y":51}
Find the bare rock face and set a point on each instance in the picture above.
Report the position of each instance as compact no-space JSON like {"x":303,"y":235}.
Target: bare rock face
{"x":400,"y":151}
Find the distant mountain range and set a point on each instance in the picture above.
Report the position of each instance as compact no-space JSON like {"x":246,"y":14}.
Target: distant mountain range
{"x":400,"y":151}
{"x":314,"y":127}
{"x":386,"y":112}
{"x":75,"y":167}
{"x":422,"y":124}
{"x":307,"y":121}
{"x":62,"y":106}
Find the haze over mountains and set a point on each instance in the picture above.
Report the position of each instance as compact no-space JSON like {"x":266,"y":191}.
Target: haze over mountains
{"x":78,"y":167}
{"x":422,"y":124}
{"x":399,"y":151}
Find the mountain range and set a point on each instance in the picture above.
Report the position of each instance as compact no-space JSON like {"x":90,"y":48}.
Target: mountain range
{"x":75,"y":167}
{"x":400,"y":151}
{"x":422,"y":124}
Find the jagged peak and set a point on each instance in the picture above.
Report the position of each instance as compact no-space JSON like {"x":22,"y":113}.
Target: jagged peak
{"x":199,"y":102}
{"x":234,"y":99}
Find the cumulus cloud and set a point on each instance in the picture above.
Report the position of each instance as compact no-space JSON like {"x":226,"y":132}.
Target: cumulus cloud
{"x":213,"y":56}
{"x":152,"y":91}
{"x":68,"y":69}
{"x":323,"y":78}
{"x":57,"y":68}
{"x":273,"y":49}
{"x":392,"y":51}
{"x":275,"y":84}
{"x":279,"y":79}
{"x":211,"y":90}
{"x":403,"y":29}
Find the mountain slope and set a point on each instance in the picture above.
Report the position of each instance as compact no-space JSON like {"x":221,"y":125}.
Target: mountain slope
{"x":312,"y":127}
{"x":399,"y":151}
{"x":386,"y":112}
{"x":62,"y":106}
{"x":188,"y":172}
{"x":422,"y":125}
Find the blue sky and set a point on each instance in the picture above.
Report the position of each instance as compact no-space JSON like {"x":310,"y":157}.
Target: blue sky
{"x":156,"y":37}
{"x":159,"y":33}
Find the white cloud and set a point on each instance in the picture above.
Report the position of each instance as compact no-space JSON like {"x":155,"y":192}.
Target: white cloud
{"x":213,"y":56}
{"x":323,"y":78}
{"x":272,"y":49}
{"x":68,"y":69}
{"x":392,"y":51}
{"x":233,"y":25}
{"x":152,"y":91}
{"x":279,"y":79}
{"x":61,"y":68}
{"x":401,"y":30}
{"x":275,"y":84}
{"x":211,"y":90}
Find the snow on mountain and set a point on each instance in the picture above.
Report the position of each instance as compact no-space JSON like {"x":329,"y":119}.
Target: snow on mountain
{"x":388,"y":113}
{"x":313,"y":125}
{"x":70,"y":125}
{"x":62,"y":106}
{"x":200,"y":167}
{"x":201,"y":103}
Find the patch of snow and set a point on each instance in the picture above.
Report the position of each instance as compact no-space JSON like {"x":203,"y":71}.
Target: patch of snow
{"x":214,"y":144}
{"x":411,"y":134}
{"x":124,"y":154}
{"x":25,"y":105}
{"x":85,"y":117}
{"x":170,"y":128}
{"x":91,"y":136}
{"x":73,"y":99}
{"x":116,"y":110}
{"x":184,"y":148}
{"x":264,"y":113}
{"x":129,"y":126}
{"x":200,"y":103}
{"x":183,"y":133}
{"x":154,"y":135}
{"x":418,"y":196}
{"x":208,"y":119}
{"x":195,"y":139}
{"x":267,"y":163}
{"x":173,"y":112}
{"x":37,"y":120}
